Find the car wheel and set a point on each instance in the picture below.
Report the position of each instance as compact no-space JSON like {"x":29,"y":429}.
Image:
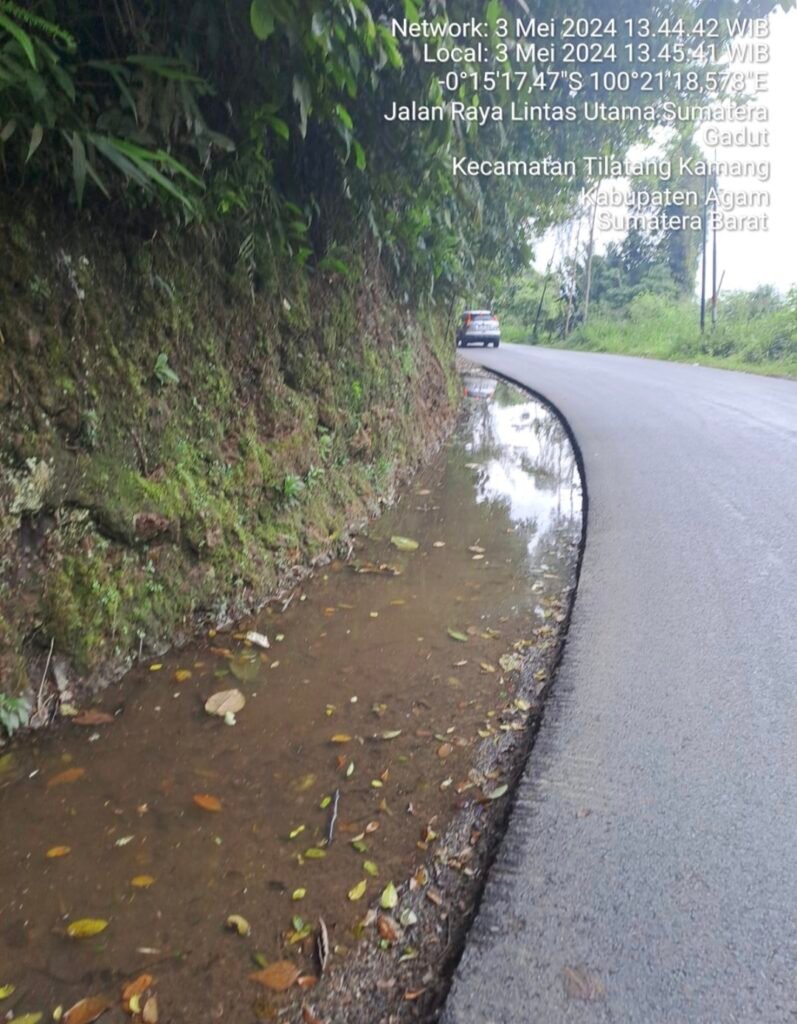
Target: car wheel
{"x":495,"y":344}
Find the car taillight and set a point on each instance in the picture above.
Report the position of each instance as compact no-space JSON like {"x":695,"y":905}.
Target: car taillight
{"x":468,"y":320}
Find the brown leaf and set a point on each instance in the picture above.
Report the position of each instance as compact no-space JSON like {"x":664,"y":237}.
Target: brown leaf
{"x":387,"y":928}
{"x":582,"y":984}
{"x":207,"y":802}
{"x":87,"y":1010}
{"x":278,"y":976}
{"x":308,"y":1016}
{"x":70,"y":775}
{"x":92,"y":717}
{"x":434,"y":897}
{"x":137,"y":987}
{"x":444,"y":750}
{"x":307,"y":981}
{"x":412,"y":994}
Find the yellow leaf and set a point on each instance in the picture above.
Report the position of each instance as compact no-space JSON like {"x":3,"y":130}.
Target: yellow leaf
{"x":156,"y":667}
{"x":86,"y":927}
{"x":182,"y":674}
{"x":358,"y":891}
{"x":239,"y":924}
{"x":341,"y":737}
{"x":58,"y":851}
{"x":142,"y":881}
{"x":7,"y":990}
{"x":299,"y":894}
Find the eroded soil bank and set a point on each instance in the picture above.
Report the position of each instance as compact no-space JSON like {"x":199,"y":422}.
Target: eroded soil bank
{"x":176,"y":438}
{"x":363,"y":783}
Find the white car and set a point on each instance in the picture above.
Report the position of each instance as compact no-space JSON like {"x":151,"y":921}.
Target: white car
{"x":478,"y":325}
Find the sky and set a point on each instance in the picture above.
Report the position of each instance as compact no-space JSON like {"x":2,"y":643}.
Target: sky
{"x":751,"y":259}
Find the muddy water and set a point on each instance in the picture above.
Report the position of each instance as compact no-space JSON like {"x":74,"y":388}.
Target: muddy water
{"x":363,"y":691}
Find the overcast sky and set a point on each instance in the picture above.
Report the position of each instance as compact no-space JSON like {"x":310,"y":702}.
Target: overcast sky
{"x":754,"y":258}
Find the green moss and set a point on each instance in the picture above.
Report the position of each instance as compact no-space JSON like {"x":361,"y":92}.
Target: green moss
{"x":296,"y":386}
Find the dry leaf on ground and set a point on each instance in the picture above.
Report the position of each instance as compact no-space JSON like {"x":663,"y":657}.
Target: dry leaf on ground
{"x":278,"y":977}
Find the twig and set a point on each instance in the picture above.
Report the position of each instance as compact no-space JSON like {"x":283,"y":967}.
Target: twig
{"x":142,"y":457}
{"x":39,"y":707}
{"x":286,"y":603}
{"x":333,"y":818}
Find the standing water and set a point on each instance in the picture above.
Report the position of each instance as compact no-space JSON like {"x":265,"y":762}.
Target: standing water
{"x":156,"y":839}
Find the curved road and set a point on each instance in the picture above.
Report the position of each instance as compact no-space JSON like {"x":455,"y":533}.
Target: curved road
{"x":649,"y":874}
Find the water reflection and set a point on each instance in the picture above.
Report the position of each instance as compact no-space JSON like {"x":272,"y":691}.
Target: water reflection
{"x":526,"y":463}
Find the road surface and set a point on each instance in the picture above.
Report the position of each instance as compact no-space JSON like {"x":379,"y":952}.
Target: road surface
{"x":649,"y":874}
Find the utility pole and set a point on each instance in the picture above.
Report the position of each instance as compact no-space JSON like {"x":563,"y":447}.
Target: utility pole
{"x":714,"y":290}
{"x":705,"y":255}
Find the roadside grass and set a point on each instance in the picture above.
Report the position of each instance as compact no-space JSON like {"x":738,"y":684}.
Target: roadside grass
{"x":746,"y":339}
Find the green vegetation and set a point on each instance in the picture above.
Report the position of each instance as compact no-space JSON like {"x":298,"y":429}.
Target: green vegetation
{"x":227,"y":290}
{"x":639,"y":308}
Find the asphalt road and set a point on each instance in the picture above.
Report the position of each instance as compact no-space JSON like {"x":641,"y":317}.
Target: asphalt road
{"x":649,"y":874}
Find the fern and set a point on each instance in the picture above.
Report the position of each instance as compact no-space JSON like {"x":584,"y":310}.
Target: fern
{"x":47,"y":28}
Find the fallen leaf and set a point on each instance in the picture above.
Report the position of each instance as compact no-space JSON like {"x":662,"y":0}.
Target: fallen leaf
{"x":499,"y":791}
{"x":123,"y":840}
{"x":278,"y":976}
{"x":86,"y":927}
{"x":404,"y":543}
{"x":137,"y":987}
{"x":207,"y":802}
{"x":296,"y":832}
{"x":439,"y":544}
{"x":389,"y":898}
{"x":408,"y":953}
{"x":245,"y":668}
{"x":434,"y":897}
{"x":456,"y":635}
{"x":444,"y":750}
{"x":309,"y":1017}
{"x":391,"y":734}
{"x":582,"y":984}
{"x":150,"y":1012}
{"x":87,"y":1010}
{"x":340,"y":737}
{"x":92,"y":717}
{"x":370,"y":868}
{"x":322,"y":944}
{"x":7,"y":990}
{"x":387,"y":928}
{"x":408,"y":918}
{"x":510,"y":662}
{"x":412,"y":994}
{"x":315,"y":853}
{"x":156,"y":667}
{"x":259,"y":639}
{"x":58,"y":851}
{"x":304,"y":783}
{"x":70,"y":775}
{"x":358,"y":891}
{"x":238,"y":924}
{"x":142,"y":881}
{"x":298,"y":894}
{"x":27,"y":1018}
{"x":372,"y":826}
{"x":225,"y":702}
{"x":182,"y":674}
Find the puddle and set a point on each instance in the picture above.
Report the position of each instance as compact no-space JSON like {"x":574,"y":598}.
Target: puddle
{"x":380,"y":685}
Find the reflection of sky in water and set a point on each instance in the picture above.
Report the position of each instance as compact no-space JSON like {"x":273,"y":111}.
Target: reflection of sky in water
{"x":527,"y":464}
